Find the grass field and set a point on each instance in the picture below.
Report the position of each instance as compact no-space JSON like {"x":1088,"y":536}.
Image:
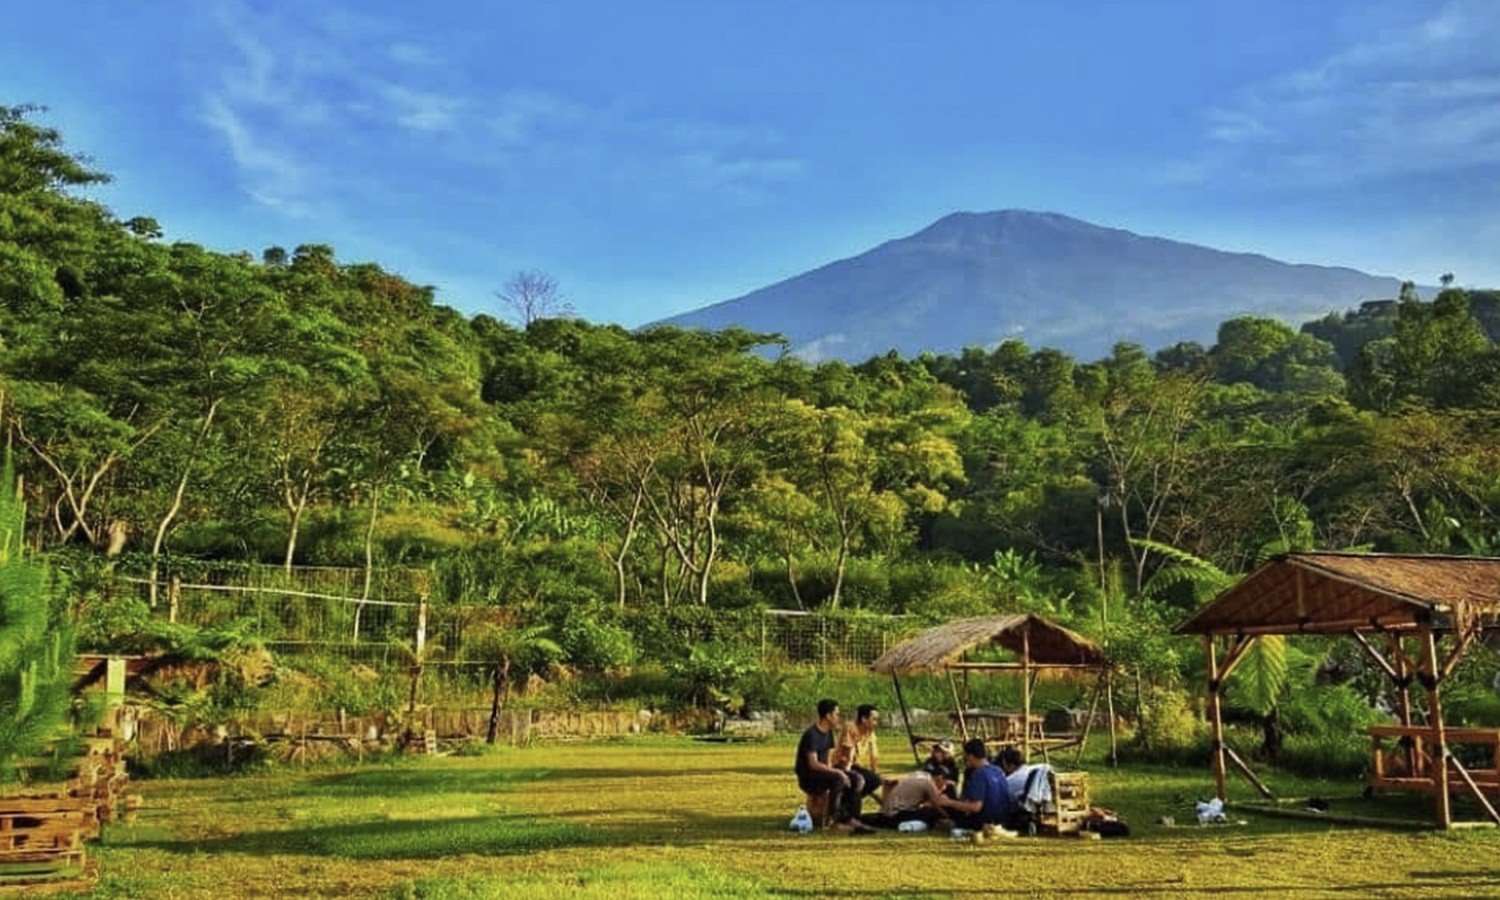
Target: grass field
{"x":671,"y":817}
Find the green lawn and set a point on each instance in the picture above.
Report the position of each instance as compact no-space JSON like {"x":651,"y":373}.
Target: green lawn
{"x":670,"y":817}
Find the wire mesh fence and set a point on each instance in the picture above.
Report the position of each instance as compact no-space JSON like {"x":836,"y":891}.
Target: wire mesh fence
{"x":328,"y":611}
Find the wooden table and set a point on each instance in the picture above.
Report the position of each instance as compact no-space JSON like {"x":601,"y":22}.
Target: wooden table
{"x":1409,"y":766}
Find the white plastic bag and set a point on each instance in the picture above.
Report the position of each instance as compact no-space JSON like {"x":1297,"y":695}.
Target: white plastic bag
{"x":1212,"y":812}
{"x":912,"y":826}
{"x":802,"y":822}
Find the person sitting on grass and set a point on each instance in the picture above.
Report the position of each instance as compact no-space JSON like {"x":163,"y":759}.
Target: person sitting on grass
{"x":913,"y":798}
{"x":858,"y":752}
{"x":940,"y":758}
{"x":1029,"y":788}
{"x":816,"y":776}
{"x":985,"y":799}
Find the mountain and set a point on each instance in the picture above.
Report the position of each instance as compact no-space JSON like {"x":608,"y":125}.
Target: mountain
{"x":977,"y":278}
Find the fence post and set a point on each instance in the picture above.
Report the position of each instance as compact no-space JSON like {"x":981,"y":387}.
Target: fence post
{"x":421,"y":626}
{"x":763,"y":616}
{"x":174,"y":593}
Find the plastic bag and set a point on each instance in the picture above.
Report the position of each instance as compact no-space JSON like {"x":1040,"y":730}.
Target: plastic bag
{"x":802,"y":822}
{"x":1212,"y":812}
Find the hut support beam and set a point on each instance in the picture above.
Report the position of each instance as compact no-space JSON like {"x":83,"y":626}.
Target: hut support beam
{"x":906,"y":718}
{"x":1484,"y":802}
{"x":1109,"y":712}
{"x":958,"y":706}
{"x":1431,"y":680}
{"x":1026,"y":691}
{"x":1244,"y":769}
{"x":1088,"y":724}
{"x":1215,"y":716}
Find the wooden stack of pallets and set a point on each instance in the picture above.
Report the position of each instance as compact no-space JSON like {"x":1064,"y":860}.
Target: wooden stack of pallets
{"x":1070,"y":801}
{"x":42,"y":830}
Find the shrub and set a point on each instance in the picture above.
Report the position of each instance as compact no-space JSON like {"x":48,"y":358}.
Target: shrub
{"x":1168,"y":725}
{"x":711,"y":673}
{"x":596,"y":645}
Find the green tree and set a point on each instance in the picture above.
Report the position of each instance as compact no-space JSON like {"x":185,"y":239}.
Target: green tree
{"x":36,"y":649}
{"x":503,"y":648}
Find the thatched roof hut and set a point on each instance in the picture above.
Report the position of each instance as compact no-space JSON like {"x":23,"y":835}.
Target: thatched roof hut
{"x":1342,"y":592}
{"x":1048,"y":643}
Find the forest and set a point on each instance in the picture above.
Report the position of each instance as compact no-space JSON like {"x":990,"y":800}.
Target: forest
{"x":163,"y":401}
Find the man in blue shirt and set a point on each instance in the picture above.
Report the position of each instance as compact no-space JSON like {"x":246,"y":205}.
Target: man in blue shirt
{"x":986,"y":798}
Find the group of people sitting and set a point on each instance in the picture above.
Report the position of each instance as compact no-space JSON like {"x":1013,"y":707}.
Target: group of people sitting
{"x":843,"y":761}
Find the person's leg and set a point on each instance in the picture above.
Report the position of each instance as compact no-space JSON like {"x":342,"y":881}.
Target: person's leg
{"x":871,"y":780}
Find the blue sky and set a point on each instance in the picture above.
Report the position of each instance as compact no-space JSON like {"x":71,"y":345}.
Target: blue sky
{"x":659,"y":156}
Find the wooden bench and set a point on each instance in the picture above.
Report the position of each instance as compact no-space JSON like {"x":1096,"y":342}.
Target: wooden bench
{"x":1400,"y":758}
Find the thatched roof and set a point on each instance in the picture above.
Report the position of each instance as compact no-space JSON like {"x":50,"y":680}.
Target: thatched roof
{"x":1050,"y":644}
{"x":1335,"y":592}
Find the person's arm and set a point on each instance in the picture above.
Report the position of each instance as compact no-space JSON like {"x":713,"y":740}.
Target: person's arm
{"x":965,"y":804}
{"x":874,"y":754}
{"x":817,"y":765}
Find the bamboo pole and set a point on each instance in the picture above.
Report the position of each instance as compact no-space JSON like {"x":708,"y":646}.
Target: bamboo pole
{"x":1410,"y":745}
{"x":906,"y":718}
{"x":1026,"y":691}
{"x":1088,"y":723}
{"x":1215,"y":716}
{"x":1484,"y":801}
{"x":1435,"y":722}
{"x":1109,"y":706}
{"x":1250,"y":776}
{"x":958,"y":706}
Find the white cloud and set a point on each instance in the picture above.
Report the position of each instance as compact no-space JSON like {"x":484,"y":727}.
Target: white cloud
{"x":1425,"y":98}
{"x":420,"y":110}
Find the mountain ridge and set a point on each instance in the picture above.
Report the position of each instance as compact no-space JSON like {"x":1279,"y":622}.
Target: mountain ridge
{"x":976,"y":278}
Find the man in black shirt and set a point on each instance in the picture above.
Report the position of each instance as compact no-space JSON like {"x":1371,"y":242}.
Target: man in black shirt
{"x":815,"y":775}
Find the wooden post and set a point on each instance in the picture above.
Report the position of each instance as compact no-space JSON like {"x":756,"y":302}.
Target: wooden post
{"x":1109,"y":710}
{"x":1435,"y":722}
{"x":421,"y":642}
{"x":1403,"y":699}
{"x":174,"y":596}
{"x":958,"y":706}
{"x":1215,"y":716}
{"x":906,"y":718}
{"x":1026,"y":690}
{"x":1088,"y":724}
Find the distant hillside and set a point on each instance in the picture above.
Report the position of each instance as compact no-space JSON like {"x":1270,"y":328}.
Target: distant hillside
{"x":978,"y":278}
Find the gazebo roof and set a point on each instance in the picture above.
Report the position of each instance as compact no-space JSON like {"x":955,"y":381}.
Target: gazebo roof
{"x":1340,"y":592}
{"x":1050,"y":644}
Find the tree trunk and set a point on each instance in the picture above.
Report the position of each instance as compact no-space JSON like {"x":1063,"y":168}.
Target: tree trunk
{"x":502,"y":675}
{"x":359,"y":607}
{"x":791,"y":579}
{"x":291,"y":535}
{"x":838,"y":570}
{"x":182,"y":483}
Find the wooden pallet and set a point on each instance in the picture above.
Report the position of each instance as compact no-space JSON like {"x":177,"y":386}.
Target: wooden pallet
{"x":1070,"y":799}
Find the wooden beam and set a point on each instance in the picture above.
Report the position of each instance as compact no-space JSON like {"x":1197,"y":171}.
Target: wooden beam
{"x":1403,"y":668}
{"x":1456,"y":655}
{"x":1484,"y":801}
{"x":1249,"y":775}
{"x":1329,"y":627}
{"x":1109,"y":706}
{"x":1016,"y":666}
{"x":1381,"y":661}
{"x":958,"y":706}
{"x":1271,"y":809}
{"x":1435,"y":722}
{"x":1215,"y":716}
{"x":1235,"y":655}
{"x":1026,"y":691}
{"x":1088,"y":723}
{"x":906,"y":717}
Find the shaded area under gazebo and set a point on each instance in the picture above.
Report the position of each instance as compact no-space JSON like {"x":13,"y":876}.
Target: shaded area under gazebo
{"x":1037,"y":644}
{"x":1415,"y":616}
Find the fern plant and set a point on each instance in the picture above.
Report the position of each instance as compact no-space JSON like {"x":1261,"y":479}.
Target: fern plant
{"x":36,"y":652}
{"x":1261,"y":677}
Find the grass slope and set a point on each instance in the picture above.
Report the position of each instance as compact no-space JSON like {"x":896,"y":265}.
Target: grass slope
{"x":673,"y":818}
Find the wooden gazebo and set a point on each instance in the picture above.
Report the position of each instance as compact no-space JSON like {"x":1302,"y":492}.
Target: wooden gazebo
{"x":1037,"y":645}
{"x":1415,"y":616}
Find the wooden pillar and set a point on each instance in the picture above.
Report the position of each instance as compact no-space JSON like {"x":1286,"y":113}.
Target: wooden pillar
{"x":1403,"y":699}
{"x":1439,"y":769}
{"x":1026,"y":690}
{"x":1215,"y":716}
{"x":1109,"y":707}
{"x":906,"y":717}
{"x":958,"y":706}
